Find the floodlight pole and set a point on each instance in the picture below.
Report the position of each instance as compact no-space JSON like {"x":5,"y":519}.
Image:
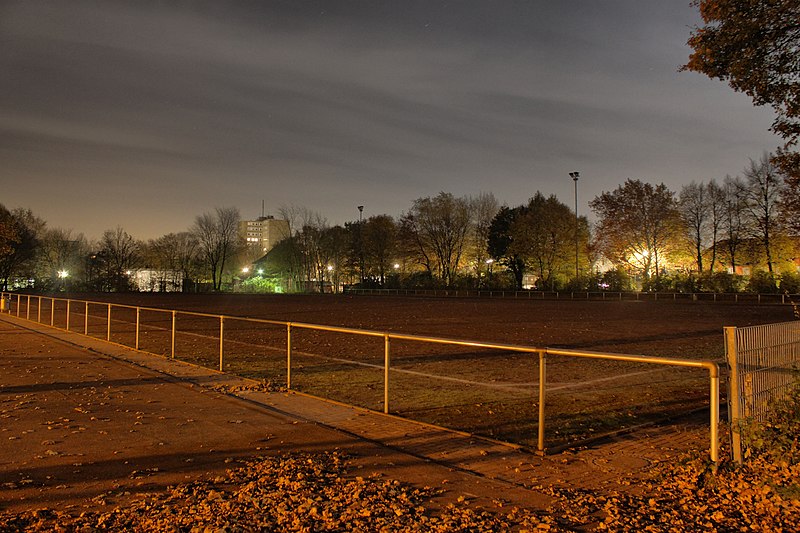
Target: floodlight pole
{"x":361,"y":244}
{"x":575,"y":176}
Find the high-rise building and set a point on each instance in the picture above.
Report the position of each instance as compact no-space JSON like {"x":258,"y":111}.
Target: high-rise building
{"x":264,"y":232}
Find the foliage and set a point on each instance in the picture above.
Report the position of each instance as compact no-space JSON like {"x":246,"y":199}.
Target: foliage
{"x":776,"y":440}
{"x":754,"y":47}
{"x":262,"y":284}
{"x":790,"y":283}
{"x":501,"y":239}
{"x":615,"y":280}
{"x":436,"y":229}
{"x":20,"y":231}
{"x":762,"y":282}
{"x":637,"y":223}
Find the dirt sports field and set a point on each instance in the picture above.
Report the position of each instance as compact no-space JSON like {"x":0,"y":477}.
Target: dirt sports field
{"x":488,"y":392}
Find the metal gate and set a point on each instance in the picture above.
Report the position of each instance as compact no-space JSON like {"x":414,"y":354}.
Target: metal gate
{"x":764,"y":366}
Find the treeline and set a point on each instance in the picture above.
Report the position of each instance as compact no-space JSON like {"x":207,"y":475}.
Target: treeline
{"x":739,"y":233}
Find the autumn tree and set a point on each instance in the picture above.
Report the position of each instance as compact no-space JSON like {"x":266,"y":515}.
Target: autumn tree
{"x":636,"y":224}
{"x":379,"y":243}
{"x":437,"y":228}
{"x":545,"y":235}
{"x":218,"y":239}
{"x":20,"y":231}
{"x":500,"y":244}
{"x":755,"y":47}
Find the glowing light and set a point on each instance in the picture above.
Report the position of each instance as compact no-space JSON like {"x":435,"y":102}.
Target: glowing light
{"x":127,"y":272}
{"x":63,"y":274}
{"x":330,"y":268}
{"x":489,"y":261}
{"x":260,"y":270}
{"x":396,"y":266}
{"x":245,"y":270}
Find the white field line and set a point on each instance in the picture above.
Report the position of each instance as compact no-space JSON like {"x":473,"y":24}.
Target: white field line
{"x":518,"y":387}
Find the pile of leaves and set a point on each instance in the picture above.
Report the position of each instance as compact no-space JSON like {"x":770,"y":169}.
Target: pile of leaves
{"x":763,"y":494}
{"x":298,"y":492}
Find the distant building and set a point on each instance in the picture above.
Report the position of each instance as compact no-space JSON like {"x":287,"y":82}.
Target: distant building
{"x":264,"y":232}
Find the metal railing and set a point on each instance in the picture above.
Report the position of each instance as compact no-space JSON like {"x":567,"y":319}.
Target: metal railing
{"x":735,"y":297}
{"x":765,"y":366}
{"x":129,"y":333}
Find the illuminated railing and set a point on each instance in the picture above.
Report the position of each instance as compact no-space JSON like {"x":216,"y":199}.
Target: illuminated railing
{"x":124,"y":325}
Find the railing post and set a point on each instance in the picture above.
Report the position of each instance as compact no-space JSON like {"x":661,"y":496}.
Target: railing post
{"x":288,"y":356}
{"x":28,"y":309}
{"x":68,"y":302}
{"x":19,"y":302}
{"x":86,"y":320}
{"x":108,"y":329}
{"x":136,"y":346}
{"x":734,"y":393}
{"x":52,"y":311}
{"x":172,"y":343}
{"x":39,"y":311}
{"x":386,"y":343}
{"x":714,"y":378}
{"x":221,"y":340}
{"x":542,"y":378}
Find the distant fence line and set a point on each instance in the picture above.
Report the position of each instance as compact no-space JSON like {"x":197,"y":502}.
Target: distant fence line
{"x":743,"y":297}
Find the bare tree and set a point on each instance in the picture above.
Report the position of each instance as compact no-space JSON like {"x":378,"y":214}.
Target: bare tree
{"x":762,"y":190}
{"x":175,"y":256}
{"x":483,"y":209}
{"x":439,"y":227}
{"x":218,"y":239}
{"x":734,"y":222}
{"x":716,"y":214}
{"x":693,"y":206}
{"x":119,"y":254}
{"x":61,"y":256}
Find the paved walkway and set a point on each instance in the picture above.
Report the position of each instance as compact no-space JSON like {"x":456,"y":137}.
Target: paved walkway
{"x":88,"y":423}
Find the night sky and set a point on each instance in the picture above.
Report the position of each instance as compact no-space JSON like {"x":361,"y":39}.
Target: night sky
{"x":144,"y":114}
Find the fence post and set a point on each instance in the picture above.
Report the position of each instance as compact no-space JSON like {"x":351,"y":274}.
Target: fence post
{"x":386,"y":374}
{"x":108,"y":329}
{"x":172,"y":344}
{"x":714,"y":407}
{"x":19,"y":302}
{"x":542,"y":374}
{"x":52,"y":311}
{"x":734,"y":393}
{"x":136,"y":345}
{"x":28,"y":309}
{"x":221,"y":339}
{"x":288,"y":356}
{"x":39,"y":311}
{"x":68,"y":302}
{"x":86,"y":320}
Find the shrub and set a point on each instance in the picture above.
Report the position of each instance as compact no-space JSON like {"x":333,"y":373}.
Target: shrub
{"x":762,"y":282}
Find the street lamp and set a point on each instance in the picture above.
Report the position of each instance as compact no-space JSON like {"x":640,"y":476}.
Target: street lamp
{"x":361,"y":243}
{"x":575,"y":176}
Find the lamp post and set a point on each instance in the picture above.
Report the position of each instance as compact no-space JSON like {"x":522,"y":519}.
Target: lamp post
{"x":575,"y":176}
{"x":361,"y":244}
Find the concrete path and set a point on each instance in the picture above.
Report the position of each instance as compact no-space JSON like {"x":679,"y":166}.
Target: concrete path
{"x":84,"y":423}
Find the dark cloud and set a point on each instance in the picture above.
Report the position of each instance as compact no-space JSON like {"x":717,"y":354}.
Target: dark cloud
{"x":145,"y":114}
